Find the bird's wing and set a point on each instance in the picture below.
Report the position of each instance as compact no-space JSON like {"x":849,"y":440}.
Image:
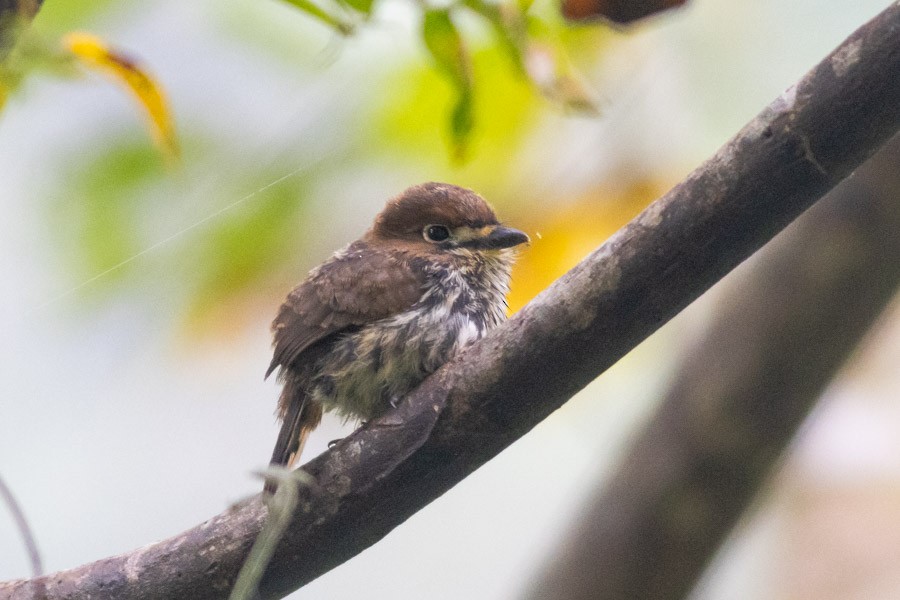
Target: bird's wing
{"x":357,"y":286}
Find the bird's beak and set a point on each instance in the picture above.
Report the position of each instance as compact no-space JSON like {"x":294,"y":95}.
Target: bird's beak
{"x":506,"y":237}
{"x":497,"y":238}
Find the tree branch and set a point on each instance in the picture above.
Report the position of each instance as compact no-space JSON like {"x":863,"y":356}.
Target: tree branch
{"x":778,"y":165}
{"x":738,"y":397}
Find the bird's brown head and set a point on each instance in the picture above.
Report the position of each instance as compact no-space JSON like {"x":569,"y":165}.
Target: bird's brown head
{"x":440,"y":217}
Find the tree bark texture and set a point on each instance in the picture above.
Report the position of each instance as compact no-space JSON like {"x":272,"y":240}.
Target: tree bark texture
{"x":796,"y":150}
{"x":738,"y":397}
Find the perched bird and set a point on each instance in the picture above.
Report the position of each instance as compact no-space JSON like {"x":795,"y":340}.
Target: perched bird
{"x":369,"y":324}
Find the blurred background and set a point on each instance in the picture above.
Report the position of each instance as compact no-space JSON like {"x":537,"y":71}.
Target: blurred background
{"x":136,"y":298}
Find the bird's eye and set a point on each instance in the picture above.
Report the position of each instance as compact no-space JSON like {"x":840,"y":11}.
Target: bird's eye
{"x":436,"y":233}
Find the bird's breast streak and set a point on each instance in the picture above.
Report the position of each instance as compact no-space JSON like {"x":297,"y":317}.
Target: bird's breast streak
{"x":381,"y":362}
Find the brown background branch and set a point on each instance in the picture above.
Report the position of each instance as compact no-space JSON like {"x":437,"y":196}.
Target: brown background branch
{"x":779,"y":164}
{"x":622,"y":12}
{"x":738,"y":397}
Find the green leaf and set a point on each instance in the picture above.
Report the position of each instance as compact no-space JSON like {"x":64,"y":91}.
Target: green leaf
{"x":446,"y":45}
{"x":509,"y":24}
{"x":405,"y":124}
{"x":362,"y":6}
{"x":462,"y":121}
{"x":340,"y":25}
{"x":443,"y":41}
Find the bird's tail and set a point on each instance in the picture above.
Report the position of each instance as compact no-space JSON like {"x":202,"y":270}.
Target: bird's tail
{"x":300,"y":415}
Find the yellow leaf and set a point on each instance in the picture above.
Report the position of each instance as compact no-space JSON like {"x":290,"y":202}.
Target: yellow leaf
{"x":94,"y":54}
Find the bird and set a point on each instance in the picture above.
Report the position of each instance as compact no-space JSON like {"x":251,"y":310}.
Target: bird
{"x":369,"y":324}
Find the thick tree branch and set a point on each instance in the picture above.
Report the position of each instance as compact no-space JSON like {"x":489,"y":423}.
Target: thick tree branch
{"x":739,"y":396}
{"x":778,"y":165}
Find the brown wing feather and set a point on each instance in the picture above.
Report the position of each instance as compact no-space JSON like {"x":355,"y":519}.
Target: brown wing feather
{"x":355,"y":287}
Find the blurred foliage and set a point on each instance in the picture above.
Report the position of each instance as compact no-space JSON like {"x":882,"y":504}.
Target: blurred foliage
{"x":30,"y":52}
{"x":446,"y":46}
{"x":528,"y":36}
{"x":106,"y":218}
{"x":250,"y":220}
{"x":101,"y":212}
{"x":59,"y":16}
{"x":243,"y":245}
{"x":338,"y":22}
{"x":411,"y":103}
{"x":507,"y":111}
